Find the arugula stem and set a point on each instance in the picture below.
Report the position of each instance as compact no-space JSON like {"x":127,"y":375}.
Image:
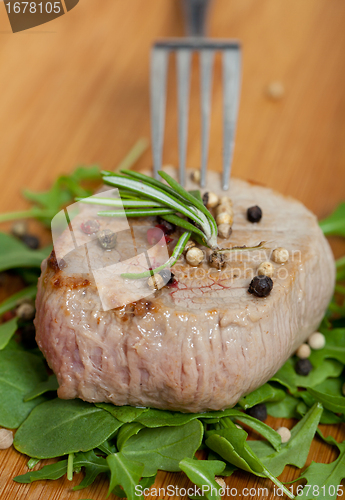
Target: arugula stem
{"x":169,"y":263}
{"x":134,"y":154}
{"x":26,"y":214}
{"x":10,"y":303}
{"x":70,"y":467}
{"x":278,"y":483}
{"x":32,"y":462}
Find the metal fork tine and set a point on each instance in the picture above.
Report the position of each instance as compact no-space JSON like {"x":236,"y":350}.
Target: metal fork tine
{"x":206,"y":64}
{"x":183,"y":61}
{"x":159,"y":67}
{"x":231,"y":91}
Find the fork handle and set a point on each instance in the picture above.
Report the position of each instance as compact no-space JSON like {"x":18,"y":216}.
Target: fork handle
{"x":195,"y":13}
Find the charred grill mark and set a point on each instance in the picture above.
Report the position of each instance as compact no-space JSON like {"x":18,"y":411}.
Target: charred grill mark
{"x":52,"y":262}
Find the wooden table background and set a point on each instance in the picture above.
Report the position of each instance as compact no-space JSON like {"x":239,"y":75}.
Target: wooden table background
{"x":75,"y":91}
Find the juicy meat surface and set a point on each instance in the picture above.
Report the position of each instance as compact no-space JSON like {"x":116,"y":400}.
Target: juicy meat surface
{"x":201,"y":343}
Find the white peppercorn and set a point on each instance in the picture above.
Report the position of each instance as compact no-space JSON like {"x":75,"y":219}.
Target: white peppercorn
{"x":275,"y":90}
{"x":224,"y":218}
{"x":194,"y":256}
{"x":156,"y":282}
{"x":280,"y":255}
{"x":224,"y":231}
{"x":195,"y":176}
{"x":19,"y":229}
{"x":303,"y":352}
{"x":210,"y":199}
{"x":224,"y":207}
{"x":190,"y":244}
{"x":317,"y":341}
{"x":6,"y":439}
{"x":221,"y":482}
{"x":284,"y":433}
{"x":266,"y":269}
{"x":226,"y":200}
{"x":25,"y":311}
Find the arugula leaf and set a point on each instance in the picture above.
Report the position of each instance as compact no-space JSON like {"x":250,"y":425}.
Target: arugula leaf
{"x":48,"y":385}
{"x":289,"y":378}
{"x":335,"y":223}
{"x":334,"y":348}
{"x":13,"y":254}
{"x":123,"y":413}
{"x":107,"y":447}
{"x":202,"y":473}
{"x":229,"y":468}
{"x":332,"y":403}
{"x":126,"y":473}
{"x":127,"y":431}
{"x":323,"y":479}
{"x":62,"y":192}
{"x":11,"y":302}
{"x":19,"y":372}
{"x":165,"y":447}
{"x":159,"y":418}
{"x":59,"y":427}
{"x":261,"y":428}
{"x":93,"y":466}
{"x":295,"y":451}
{"x":286,"y":408}
{"x":232,"y":446}
{"x":7,"y":330}
{"x":51,"y":471}
{"x":264,"y":393}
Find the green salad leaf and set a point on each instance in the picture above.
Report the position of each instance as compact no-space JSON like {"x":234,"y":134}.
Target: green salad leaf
{"x":51,"y":384}
{"x":126,"y":473}
{"x":51,"y":471}
{"x":202,"y":473}
{"x":13,"y":254}
{"x":265,"y":393}
{"x":123,"y":413}
{"x":164,"y":447}
{"x":7,"y":330}
{"x":324,"y":480}
{"x":335,"y":223}
{"x":295,"y":451}
{"x":59,"y":427}
{"x":10,"y":303}
{"x":93,"y":466}
{"x":20,"y":372}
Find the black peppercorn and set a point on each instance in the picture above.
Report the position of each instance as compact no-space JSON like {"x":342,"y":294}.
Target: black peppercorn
{"x":167,"y":275}
{"x":31,"y":241}
{"x":258,"y":411}
{"x":303,"y":367}
{"x":254,"y":214}
{"x":169,"y":228}
{"x":205,"y":199}
{"x":261,"y":286}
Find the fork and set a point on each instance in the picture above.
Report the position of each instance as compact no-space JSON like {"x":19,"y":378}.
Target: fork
{"x":195,"y":12}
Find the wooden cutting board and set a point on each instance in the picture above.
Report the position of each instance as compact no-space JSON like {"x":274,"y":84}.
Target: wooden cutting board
{"x":75,"y":91}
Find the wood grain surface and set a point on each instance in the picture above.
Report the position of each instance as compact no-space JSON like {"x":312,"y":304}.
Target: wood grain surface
{"x":75,"y":91}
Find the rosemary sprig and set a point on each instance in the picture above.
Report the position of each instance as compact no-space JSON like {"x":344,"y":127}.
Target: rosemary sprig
{"x":169,"y":263}
{"x":155,"y":194}
{"x":142,"y":212}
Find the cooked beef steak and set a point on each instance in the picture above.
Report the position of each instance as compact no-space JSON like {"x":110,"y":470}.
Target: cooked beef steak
{"x":204,"y":341}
